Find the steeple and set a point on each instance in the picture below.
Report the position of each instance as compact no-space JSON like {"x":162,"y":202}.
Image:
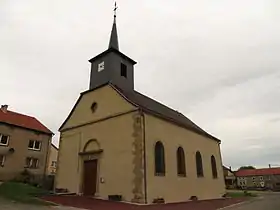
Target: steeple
{"x":112,"y":66}
{"x":114,"y":43}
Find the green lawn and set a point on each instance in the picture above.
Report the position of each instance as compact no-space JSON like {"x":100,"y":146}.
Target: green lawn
{"x":240,"y":194}
{"x":22,"y":193}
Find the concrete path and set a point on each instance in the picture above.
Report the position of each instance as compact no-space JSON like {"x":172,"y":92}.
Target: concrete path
{"x":265,"y":202}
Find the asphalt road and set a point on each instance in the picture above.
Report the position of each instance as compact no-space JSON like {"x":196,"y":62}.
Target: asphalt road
{"x":265,"y":202}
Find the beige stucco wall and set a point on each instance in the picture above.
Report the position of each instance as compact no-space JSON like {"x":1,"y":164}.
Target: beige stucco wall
{"x":114,"y":136}
{"x":109,"y":103}
{"x":171,"y":187}
{"x":19,"y":139}
{"x":53,"y":153}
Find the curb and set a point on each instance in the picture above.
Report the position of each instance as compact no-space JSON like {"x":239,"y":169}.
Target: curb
{"x":241,"y":203}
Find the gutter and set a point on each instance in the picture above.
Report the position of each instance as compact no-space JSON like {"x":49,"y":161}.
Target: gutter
{"x":145,"y":160}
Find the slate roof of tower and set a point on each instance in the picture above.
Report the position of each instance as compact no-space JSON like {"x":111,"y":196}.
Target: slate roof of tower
{"x":114,"y":41}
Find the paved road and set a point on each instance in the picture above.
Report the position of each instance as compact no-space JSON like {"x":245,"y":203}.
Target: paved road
{"x":265,"y":202}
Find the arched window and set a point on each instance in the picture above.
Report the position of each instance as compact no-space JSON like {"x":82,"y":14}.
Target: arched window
{"x":199,"y":165}
{"x":214,"y":167}
{"x":159,"y":159}
{"x":181,"y":166}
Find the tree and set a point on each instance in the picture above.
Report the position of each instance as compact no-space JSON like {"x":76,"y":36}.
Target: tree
{"x":246,"y":167}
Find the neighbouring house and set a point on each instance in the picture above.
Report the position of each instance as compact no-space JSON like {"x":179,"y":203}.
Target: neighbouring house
{"x":264,"y":178}
{"x":52,"y":160}
{"x":230,"y":179}
{"x":24,"y":144}
{"x":117,"y":143}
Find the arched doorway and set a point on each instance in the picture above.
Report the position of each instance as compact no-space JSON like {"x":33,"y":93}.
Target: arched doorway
{"x":90,"y":156}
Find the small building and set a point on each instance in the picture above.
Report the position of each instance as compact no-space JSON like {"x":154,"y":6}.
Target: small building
{"x":119,"y":143}
{"x":230,"y":179}
{"x":24,"y":144}
{"x":52,"y":160}
{"x":264,"y":178}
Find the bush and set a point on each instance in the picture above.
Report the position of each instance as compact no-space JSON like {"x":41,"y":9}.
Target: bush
{"x":25,"y":177}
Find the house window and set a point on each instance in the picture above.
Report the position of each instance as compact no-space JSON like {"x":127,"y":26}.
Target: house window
{"x":253,"y":178}
{"x":181,"y":166}
{"x":34,"y":145}
{"x":261,"y":178}
{"x":53,"y":164}
{"x":2,"y":160}
{"x":214,"y":167}
{"x":4,"y":140}
{"x":199,"y":165}
{"x":159,"y":159}
{"x":123,"y":70}
{"x":32,"y":162}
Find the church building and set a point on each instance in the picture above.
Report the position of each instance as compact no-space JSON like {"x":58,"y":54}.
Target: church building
{"x":119,"y":143}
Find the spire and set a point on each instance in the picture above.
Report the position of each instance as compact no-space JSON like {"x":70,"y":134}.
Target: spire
{"x":114,"y":35}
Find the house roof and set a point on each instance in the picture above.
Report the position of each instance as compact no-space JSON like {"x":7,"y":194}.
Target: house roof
{"x":23,"y":121}
{"x":258,"y":172}
{"x":153,"y":107}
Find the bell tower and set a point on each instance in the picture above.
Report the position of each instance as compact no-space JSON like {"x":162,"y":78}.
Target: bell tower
{"x":112,"y":65}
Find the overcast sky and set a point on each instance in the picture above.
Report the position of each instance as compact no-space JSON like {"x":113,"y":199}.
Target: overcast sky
{"x":215,"y":61}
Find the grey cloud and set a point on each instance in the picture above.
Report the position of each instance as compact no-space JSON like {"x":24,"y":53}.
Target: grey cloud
{"x":215,"y":61}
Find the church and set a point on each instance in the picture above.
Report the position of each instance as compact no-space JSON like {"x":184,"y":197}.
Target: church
{"x":119,"y":143}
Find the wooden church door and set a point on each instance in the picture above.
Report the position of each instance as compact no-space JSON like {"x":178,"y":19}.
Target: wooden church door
{"x":90,"y":177}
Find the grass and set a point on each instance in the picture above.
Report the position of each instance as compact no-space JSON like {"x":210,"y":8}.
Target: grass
{"x":241,"y":194}
{"x":22,"y":193}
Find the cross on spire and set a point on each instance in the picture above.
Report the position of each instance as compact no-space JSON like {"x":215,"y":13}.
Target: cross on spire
{"x":115,"y":10}
{"x":114,"y":43}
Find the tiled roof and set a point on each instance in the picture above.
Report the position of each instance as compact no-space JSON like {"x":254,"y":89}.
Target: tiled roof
{"x":258,"y":172}
{"x":24,"y":121}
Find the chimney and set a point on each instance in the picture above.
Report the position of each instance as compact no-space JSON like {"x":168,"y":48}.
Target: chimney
{"x":269,"y":165}
{"x":230,"y":168}
{"x":4,"y":108}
